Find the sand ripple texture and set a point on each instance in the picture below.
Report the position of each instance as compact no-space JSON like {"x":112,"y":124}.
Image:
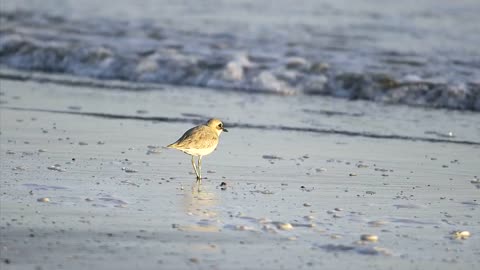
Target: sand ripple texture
{"x":286,"y":188}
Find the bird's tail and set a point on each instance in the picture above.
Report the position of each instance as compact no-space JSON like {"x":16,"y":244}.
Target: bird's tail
{"x":172,"y":145}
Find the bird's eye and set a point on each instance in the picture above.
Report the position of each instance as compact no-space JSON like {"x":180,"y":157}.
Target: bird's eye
{"x":220,"y":125}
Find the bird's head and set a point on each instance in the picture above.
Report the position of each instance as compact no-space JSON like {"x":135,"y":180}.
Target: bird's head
{"x":217,"y":125}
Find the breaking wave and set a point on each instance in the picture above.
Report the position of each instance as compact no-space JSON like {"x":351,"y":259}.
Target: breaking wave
{"x":147,"y":53}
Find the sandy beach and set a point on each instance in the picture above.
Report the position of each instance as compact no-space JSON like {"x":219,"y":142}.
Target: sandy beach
{"x":353,"y":143}
{"x":86,"y":182}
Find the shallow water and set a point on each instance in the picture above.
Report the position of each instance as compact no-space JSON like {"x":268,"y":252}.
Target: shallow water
{"x":293,"y":199}
{"x":418,"y":53}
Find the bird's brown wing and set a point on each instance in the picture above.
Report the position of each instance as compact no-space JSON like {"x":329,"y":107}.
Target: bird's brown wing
{"x":198,"y":137}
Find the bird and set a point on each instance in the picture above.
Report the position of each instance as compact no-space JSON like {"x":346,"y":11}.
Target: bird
{"x":200,"y":141}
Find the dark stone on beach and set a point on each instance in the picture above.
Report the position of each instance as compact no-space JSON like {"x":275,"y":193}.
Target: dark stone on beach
{"x":271,"y":157}
{"x":223,"y":186}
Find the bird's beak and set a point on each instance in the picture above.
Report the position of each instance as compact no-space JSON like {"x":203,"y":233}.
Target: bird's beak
{"x":225,"y":130}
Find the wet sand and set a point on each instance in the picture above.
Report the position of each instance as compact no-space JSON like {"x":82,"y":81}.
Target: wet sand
{"x":304,"y":181}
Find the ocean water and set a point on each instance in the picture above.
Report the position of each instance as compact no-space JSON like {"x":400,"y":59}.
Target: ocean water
{"x":422,"y":53}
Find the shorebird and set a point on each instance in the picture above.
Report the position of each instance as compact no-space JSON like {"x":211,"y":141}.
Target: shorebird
{"x":200,"y":141}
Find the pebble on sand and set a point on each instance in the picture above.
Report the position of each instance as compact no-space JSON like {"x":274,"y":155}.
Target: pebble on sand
{"x":223,"y":185}
{"x":82,"y":143}
{"x":352,"y":174}
{"x":18,"y":168}
{"x":284,"y":226}
{"x":56,"y":167}
{"x":461,"y":235}
{"x":369,"y":237}
{"x":244,"y":228}
{"x":271,"y":157}
{"x":383,"y":251}
{"x":129,"y":170}
{"x":377,"y":223}
{"x":45,"y":199}
{"x":304,"y":225}
{"x":152,"y":151}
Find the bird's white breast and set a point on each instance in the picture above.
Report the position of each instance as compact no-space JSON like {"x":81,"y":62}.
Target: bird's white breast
{"x":199,"y":152}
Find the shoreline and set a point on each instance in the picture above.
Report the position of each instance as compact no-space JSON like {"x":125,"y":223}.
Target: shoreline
{"x":331,"y":189}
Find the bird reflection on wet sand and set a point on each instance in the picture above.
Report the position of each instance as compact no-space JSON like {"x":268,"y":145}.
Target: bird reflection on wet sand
{"x":201,"y":206}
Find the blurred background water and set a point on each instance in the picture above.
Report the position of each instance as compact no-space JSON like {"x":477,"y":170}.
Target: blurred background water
{"x":410,"y":52}
{"x":78,"y":129}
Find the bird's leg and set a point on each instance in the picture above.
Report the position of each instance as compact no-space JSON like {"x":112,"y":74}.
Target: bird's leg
{"x":195,"y":167}
{"x":199,"y":169}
